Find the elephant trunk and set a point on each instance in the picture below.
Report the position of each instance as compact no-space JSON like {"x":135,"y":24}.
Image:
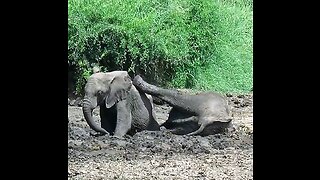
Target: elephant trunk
{"x":87,"y":112}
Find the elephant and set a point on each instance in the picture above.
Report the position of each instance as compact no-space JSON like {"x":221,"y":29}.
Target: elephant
{"x":201,"y":114}
{"x":123,"y":108}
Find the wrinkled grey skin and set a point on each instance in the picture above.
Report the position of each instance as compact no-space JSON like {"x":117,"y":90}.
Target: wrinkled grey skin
{"x":200,"y":114}
{"x":123,"y":109}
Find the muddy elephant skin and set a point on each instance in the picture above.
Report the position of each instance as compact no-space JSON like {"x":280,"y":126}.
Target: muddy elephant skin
{"x":192,"y":114}
{"x":123,"y":109}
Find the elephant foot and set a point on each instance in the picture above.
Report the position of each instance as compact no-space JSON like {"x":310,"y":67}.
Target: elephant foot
{"x":141,"y":84}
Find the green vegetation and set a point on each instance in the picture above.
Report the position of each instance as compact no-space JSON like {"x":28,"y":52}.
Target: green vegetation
{"x":198,"y":44}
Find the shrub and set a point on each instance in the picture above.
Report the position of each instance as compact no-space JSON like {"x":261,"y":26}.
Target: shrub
{"x":198,"y":44}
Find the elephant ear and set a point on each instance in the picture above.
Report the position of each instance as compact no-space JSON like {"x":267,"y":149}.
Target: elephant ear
{"x":118,"y":90}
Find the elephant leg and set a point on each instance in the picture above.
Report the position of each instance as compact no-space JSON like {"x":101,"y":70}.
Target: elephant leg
{"x":177,"y":116}
{"x":188,"y":119}
{"x":174,"y":98}
{"x":185,"y":122}
{"x":153,"y":124}
{"x":124,"y":119}
{"x":203,"y":122}
{"x":180,"y":122}
{"x":143,"y":115}
{"x":209,"y":125}
{"x":198,"y":131}
{"x":108,"y":118}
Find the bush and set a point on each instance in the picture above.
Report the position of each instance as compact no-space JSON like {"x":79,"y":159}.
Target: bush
{"x":198,"y":44}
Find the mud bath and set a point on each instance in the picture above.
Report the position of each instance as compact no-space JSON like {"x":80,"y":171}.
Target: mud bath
{"x":160,"y":154}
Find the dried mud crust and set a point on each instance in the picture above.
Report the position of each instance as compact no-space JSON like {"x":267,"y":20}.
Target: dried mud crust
{"x":160,"y":154}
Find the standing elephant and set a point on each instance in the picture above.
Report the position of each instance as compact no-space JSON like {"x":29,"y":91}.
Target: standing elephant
{"x":123,"y":109}
{"x":200,"y":114}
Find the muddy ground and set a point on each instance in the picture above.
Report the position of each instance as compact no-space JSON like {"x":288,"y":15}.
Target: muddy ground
{"x":162,"y":155}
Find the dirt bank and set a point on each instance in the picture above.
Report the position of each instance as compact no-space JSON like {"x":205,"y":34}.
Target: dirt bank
{"x":162,"y":155}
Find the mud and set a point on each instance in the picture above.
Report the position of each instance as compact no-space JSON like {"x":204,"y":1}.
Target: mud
{"x":161,"y":154}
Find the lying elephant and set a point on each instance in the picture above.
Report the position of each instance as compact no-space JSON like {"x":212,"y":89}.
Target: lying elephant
{"x":123,"y":109}
{"x":201,"y":114}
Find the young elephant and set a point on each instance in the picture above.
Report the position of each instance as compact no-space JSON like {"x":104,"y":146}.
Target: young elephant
{"x":201,"y":114}
{"x":123,"y":109}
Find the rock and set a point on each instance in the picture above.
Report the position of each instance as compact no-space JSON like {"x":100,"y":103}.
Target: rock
{"x":75,"y":102}
{"x":78,"y":102}
{"x":71,"y":102}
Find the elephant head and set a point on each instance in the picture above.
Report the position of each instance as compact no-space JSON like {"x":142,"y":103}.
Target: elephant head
{"x":108,"y":88}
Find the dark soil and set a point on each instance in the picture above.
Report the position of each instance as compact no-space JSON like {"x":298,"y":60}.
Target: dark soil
{"x":161,"y":154}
